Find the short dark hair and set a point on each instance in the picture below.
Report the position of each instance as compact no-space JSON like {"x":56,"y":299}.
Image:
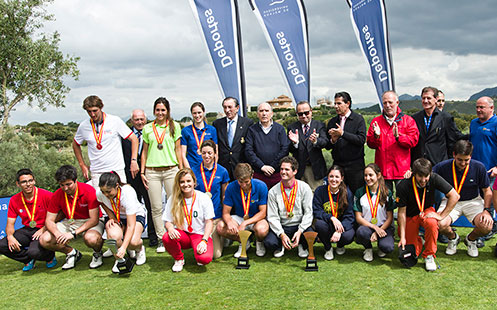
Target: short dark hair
{"x":92,"y":101}
{"x":209,"y":143}
{"x":463,"y":147}
{"x":303,"y":102}
{"x":110,"y":179}
{"x":421,"y":167}
{"x":23,"y":171}
{"x":232,"y":98}
{"x":430,"y":88}
{"x":197,"y":104}
{"x":292,"y":161}
{"x":242,"y":171}
{"x":346,"y":97}
{"x":66,"y":172}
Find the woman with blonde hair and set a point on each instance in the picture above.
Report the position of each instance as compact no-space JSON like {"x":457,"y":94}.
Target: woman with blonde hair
{"x":188,"y":221}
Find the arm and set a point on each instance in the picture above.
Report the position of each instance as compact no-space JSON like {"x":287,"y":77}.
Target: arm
{"x":307,"y":208}
{"x":359,"y":136}
{"x":79,"y":156}
{"x":177,"y":150}
{"x":202,"y":246}
{"x":487,"y":197}
{"x":452,"y":199}
{"x":252,"y":158}
{"x":130,"y":230}
{"x":92,"y":221}
{"x":273,"y":215}
{"x":14,"y":245}
{"x":183,"y":156}
{"x":409,"y":135}
{"x":317,"y":206}
{"x":373,"y":141}
{"x":284,"y":145}
{"x":322,"y":139}
{"x":401,"y":220}
{"x":143,"y":164}
{"x":133,"y":166}
{"x":231,"y":226}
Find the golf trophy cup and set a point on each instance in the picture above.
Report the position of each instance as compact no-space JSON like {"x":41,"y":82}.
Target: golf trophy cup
{"x":124,"y":264}
{"x":311,"y":263}
{"x":243,"y":261}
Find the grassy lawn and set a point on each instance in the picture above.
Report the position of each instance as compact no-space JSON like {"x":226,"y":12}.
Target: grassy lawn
{"x":344,"y":283}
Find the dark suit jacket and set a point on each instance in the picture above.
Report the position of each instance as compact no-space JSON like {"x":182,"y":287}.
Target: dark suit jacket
{"x":230,"y":157}
{"x":136,"y":183}
{"x":308,"y":152}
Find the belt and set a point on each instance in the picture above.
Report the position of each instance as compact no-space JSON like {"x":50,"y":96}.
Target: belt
{"x":161,"y":168}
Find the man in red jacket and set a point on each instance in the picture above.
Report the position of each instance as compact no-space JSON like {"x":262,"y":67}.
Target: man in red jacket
{"x":392,"y":135}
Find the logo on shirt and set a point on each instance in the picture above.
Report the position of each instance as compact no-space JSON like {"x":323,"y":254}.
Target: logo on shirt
{"x":83,"y":205}
{"x":195,"y":214}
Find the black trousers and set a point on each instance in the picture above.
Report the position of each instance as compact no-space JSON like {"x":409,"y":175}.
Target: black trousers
{"x":273,"y":242}
{"x":30,"y":249}
{"x":326,"y":229}
{"x":141,"y":192}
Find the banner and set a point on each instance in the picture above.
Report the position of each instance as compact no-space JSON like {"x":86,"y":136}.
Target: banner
{"x":220,"y":27}
{"x":370,"y":25}
{"x":284,"y":23}
{"x":4,"y":205}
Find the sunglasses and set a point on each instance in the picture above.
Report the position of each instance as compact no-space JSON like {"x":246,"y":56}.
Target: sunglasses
{"x":303,"y":113}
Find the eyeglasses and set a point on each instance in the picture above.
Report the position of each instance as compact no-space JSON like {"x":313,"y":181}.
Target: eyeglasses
{"x":27,"y":182}
{"x":303,"y":113}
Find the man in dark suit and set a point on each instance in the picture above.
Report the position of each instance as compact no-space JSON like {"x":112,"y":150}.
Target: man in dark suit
{"x":231,"y":135}
{"x":347,"y":134}
{"x":308,"y":137}
{"x":138,"y":120}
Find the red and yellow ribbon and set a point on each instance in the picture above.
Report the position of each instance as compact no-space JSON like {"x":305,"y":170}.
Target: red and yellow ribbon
{"x":421,"y":205}
{"x":333,"y":205}
{"x":98,"y":137}
{"x":160,"y":138}
{"x":289,"y":202}
{"x":246,"y":202}
{"x":30,"y":215}
{"x":457,"y":186}
{"x":116,"y":205}
{"x":199,"y":142}
{"x":374,"y":207}
{"x":71,"y":211}
{"x":208,"y":185}
{"x":189,"y":214}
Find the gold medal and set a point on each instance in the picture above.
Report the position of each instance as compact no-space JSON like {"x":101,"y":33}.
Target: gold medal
{"x":71,"y":221}
{"x":374,"y":220}
{"x":290,"y":214}
{"x":31,"y":216}
{"x":246,"y":217}
{"x":289,"y":201}
{"x":209,"y":194}
{"x":208,"y":185}
{"x":32,"y":224}
{"x":99,"y":136}
{"x":373,"y":206}
{"x":160,"y":146}
{"x":160,"y":138}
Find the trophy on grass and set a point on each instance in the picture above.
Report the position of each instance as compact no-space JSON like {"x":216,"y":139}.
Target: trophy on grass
{"x":311,"y":263}
{"x":124,"y":264}
{"x":243,"y":261}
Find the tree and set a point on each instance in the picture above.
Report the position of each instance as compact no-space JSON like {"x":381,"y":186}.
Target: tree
{"x":32,"y":69}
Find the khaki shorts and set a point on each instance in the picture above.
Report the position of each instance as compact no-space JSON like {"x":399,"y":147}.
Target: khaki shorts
{"x":468,"y":208}
{"x":239,"y":220}
{"x":64,"y":226}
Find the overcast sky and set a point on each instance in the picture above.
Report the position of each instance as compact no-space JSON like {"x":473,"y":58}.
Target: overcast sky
{"x":135,"y":51}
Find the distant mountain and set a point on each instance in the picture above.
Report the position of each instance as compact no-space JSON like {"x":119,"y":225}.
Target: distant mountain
{"x":490,"y":92}
{"x":407,"y":97}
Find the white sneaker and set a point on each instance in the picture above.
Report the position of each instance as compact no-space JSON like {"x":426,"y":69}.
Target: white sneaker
{"x":430,"y":263}
{"x":279,"y":253}
{"x":340,"y":251}
{"x":72,"y":259}
{"x":260,"y":250}
{"x":368,"y":255}
{"x":132,"y":253}
{"x":114,"y":268}
{"x":239,"y":251}
{"x":178,"y":265}
{"x":302,"y":252}
{"x":161,"y":248}
{"x":472,"y":248}
{"x":381,"y":254}
{"x":96,"y":260}
{"x":452,"y":245}
{"x":328,"y":255}
{"x":141,"y":257}
{"x":107,"y":254}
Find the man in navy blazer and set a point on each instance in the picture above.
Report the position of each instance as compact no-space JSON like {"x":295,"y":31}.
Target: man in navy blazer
{"x":307,"y":139}
{"x":231,"y":154}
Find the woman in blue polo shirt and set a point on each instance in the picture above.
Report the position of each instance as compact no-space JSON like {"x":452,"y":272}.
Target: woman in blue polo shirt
{"x":194,"y":135}
{"x":212,"y":179}
{"x":373,"y":210}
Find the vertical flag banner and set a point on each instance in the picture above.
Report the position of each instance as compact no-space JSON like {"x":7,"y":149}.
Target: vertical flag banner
{"x":284,"y":23}
{"x":370,"y":25}
{"x":220,"y":26}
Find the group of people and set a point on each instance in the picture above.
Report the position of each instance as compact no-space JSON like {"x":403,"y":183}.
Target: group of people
{"x":238,"y":175}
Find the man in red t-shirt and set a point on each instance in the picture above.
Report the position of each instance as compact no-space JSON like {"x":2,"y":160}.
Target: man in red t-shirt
{"x":31,"y":206}
{"x":78,"y":203}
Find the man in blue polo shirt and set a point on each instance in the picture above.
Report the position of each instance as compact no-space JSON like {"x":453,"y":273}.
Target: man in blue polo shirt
{"x":248,"y":197}
{"x":483,"y":135}
{"x":468,"y":177}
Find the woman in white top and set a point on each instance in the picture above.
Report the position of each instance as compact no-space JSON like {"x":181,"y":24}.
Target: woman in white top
{"x":188,"y":221}
{"x":126,"y":216}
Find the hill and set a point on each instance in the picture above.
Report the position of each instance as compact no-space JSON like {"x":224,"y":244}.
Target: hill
{"x":490,"y":92}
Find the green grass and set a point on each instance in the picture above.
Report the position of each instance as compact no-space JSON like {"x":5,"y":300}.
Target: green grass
{"x":344,"y":283}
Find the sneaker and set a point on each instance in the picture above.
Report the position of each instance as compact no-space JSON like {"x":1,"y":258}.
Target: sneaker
{"x":141,"y":257}
{"x":328,"y":255}
{"x":452,"y":245}
{"x":96,"y":260}
{"x":368,"y":255}
{"x":199,"y":264}
{"x":381,"y":254}
{"x":72,"y":259}
{"x":107,"y":254}
{"x":480,"y":242}
{"x":443,"y":238}
{"x":132,"y":253}
{"x":303,"y":253}
{"x":161,"y":248}
{"x":114,"y":268}
{"x":472,"y":248}
{"x":341,"y":251}
{"x":52,"y":263}
{"x":279,"y":253}
{"x":430,"y":263}
{"x":260,"y":250}
{"x":29,"y":265}
{"x":239,"y":251}
{"x":178,"y":265}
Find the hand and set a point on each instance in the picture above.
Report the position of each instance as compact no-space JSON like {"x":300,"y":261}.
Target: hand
{"x":267,"y":170}
{"x":296,"y":238}
{"x":379,"y":231}
{"x":174,"y":234}
{"x":434,"y":215}
{"x":37,"y":234}
{"x":145,"y":181}
{"x":133,"y":168}
{"x":14,"y":245}
{"x":121,"y":252}
{"x":493,"y":172}
{"x":286,"y":241}
{"x":486,"y":219}
{"x":408,"y":174}
{"x":293,"y":136}
{"x":395,"y":130}
{"x":64,"y":238}
{"x":334,"y":133}
{"x":376,"y":129}
{"x":402,"y":243}
{"x":336,"y":236}
{"x":233,"y":227}
{"x":202,"y":247}
{"x":242,"y":226}
{"x":374,"y":237}
{"x":314,"y":136}
{"x":86,"y":172}
{"x":337,"y":224}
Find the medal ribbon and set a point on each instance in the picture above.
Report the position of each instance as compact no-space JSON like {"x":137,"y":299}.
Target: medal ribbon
{"x":208,"y":186}
{"x":458,"y":187}
{"x":246,"y":203}
{"x":289,"y":202}
{"x":199,"y":143}
{"x":374,"y":208}
{"x":334,"y":210}
{"x":421,"y":205}
{"x":71,"y":211}
{"x":115,"y":206}
{"x":189,"y":215}
{"x":98,"y":138}
{"x":156,"y":133}
{"x":31,"y":216}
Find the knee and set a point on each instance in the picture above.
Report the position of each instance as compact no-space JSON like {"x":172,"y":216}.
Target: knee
{"x":363,"y":232}
{"x":386,"y":247}
{"x":204,"y":259}
{"x":261,"y":229}
{"x":92,"y":238}
{"x":45,"y":239}
{"x":136,"y":243}
{"x":321,"y":226}
{"x":431,"y":224}
{"x":220,"y":228}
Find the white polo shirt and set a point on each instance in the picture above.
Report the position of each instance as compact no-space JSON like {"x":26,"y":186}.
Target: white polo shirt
{"x":129,"y":202}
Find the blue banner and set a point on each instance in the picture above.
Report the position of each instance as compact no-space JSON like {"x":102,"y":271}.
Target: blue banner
{"x":4,"y":205}
{"x":370,"y":25}
{"x":220,"y":27}
{"x":284,"y":23}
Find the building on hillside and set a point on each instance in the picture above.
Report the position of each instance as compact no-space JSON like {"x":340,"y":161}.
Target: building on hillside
{"x":281,"y":102}
{"x":325,"y":101}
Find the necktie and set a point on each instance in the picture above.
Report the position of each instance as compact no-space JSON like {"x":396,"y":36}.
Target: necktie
{"x":138,"y":134}
{"x":342,"y":121}
{"x":306,"y":129}
{"x":231,"y":132}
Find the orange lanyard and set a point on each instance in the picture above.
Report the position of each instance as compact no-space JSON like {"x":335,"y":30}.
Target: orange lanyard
{"x":289,"y":202}
{"x":333,"y":205}
{"x":189,"y":214}
{"x":116,"y":205}
{"x":421,"y":205}
{"x":457,"y":186}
